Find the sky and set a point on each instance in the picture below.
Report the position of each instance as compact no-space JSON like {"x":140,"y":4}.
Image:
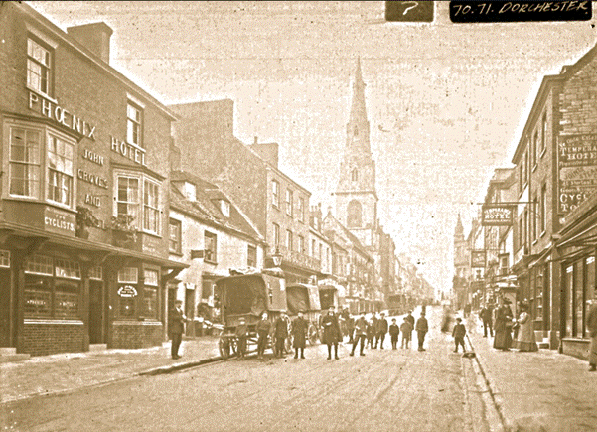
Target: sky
{"x":446,"y":102}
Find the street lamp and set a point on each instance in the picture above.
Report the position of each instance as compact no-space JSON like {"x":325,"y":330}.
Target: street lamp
{"x":277,"y":258}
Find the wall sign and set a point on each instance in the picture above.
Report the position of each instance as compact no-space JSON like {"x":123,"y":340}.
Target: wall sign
{"x":127,"y":291}
{"x":478,"y":258}
{"x":59,"y":221}
{"x":61,"y":115}
{"x":577,"y":170}
{"x":92,"y":179}
{"x":134,"y":153}
{"x":497,"y":215}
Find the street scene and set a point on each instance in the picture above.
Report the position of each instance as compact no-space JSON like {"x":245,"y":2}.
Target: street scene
{"x":259,"y":216}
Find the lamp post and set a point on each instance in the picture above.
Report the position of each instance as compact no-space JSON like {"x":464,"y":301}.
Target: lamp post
{"x":277,"y":258}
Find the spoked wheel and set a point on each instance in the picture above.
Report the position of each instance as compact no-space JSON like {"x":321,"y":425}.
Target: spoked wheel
{"x":227,"y":346}
{"x":312,"y":335}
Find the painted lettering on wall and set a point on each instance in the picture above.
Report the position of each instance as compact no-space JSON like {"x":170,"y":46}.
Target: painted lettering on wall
{"x":92,"y":179}
{"x":61,"y":115}
{"x":92,"y":200}
{"x":59,"y":221}
{"x":134,"y":153}
{"x":93,"y":157}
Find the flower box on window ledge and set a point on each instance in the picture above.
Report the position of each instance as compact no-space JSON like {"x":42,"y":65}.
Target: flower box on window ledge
{"x":124,"y":234}
{"x":83,"y":220}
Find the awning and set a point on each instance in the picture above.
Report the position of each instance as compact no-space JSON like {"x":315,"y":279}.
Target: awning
{"x":7,"y":229}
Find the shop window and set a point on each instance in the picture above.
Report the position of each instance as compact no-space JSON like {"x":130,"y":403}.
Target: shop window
{"x":251,"y":256}
{"x":39,"y":67}
{"x":578,"y":299}
{"x":5,"y":258}
{"x":67,"y":269}
{"x":96,"y":273}
{"x":25,"y":164}
{"x":37,"y":298}
{"x":150,"y":298}
{"x":275,"y":193}
{"x":127,"y":293}
{"x":175,"y":242}
{"x":211,"y":247}
{"x":128,"y":275}
{"x":40,"y":265}
{"x":134,"y":130}
{"x":538,"y":301}
{"x":569,"y":299}
{"x":151,"y":211}
{"x":289,"y":203}
{"x":67,"y":298}
{"x":60,"y":172}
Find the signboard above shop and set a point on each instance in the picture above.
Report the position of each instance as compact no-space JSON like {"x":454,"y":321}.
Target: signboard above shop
{"x":478,"y":258}
{"x":498,"y":215}
{"x":577,"y":170}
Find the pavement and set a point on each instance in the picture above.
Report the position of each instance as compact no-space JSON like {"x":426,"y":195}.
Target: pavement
{"x":541,"y":391}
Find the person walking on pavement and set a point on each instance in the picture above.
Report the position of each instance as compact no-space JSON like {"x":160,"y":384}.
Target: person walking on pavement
{"x":360,"y":334}
{"x":406,"y":329}
{"x":394,"y":331}
{"x":263,"y":328}
{"x":411,"y":320}
{"x":592,"y":327}
{"x":421,"y":327}
{"x":486,"y":316}
{"x":299,"y":335}
{"x":280,"y":331}
{"x":371,"y":332}
{"x":458,"y":334}
{"x":241,"y":337}
{"x":526,"y":340}
{"x":503,"y":327}
{"x":178,"y":320}
{"x":381,"y":328}
{"x":331,"y":332}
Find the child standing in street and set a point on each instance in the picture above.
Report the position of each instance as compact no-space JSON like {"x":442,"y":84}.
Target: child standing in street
{"x":458,"y":333}
{"x":394,"y":330}
{"x":406,"y":329}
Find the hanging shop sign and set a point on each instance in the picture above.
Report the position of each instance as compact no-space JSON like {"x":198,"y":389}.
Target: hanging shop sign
{"x":478,"y":258}
{"x":127,"y":291}
{"x":577,"y":170}
{"x":58,"y":221}
{"x":60,"y":115}
{"x":498,"y":215}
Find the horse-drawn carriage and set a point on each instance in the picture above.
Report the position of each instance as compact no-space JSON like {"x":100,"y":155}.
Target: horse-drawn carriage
{"x":248,"y":296}
{"x":304,"y":298}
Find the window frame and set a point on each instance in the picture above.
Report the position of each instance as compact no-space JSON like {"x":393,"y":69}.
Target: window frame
{"x":276,"y":234}
{"x":136,"y":124}
{"x":289,"y":240}
{"x":61,"y":173}
{"x":178,"y":224}
{"x":301,"y":209}
{"x":251,"y":255}
{"x":140,"y":218}
{"x":48,"y":68}
{"x":37,"y":162}
{"x":289,"y":203}
{"x":149,"y":209}
{"x":212,"y":257}
{"x":275,"y":194}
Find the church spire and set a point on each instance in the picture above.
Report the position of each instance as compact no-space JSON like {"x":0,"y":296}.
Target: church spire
{"x":459,"y":228}
{"x":358,"y":113}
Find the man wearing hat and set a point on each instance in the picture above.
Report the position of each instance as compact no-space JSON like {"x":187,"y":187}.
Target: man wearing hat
{"x":592,"y":327}
{"x":299,"y":335}
{"x":381,"y":328}
{"x":331,"y":332}
{"x":178,"y":319}
{"x":241,"y":337}
{"x":280,"y":330}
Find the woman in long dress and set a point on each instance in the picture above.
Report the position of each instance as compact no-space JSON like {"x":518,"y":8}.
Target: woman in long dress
{"x":503,"y":327}
{"x":526,"y":335}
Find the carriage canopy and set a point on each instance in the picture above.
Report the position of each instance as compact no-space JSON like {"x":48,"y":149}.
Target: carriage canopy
{"x":302,"y":297}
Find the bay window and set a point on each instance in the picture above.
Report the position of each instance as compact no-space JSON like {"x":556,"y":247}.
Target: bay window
{"x":139,"y":197}
{"x":60,"y":170}
{"x":151,"y":212}
{"x":25,"y":162}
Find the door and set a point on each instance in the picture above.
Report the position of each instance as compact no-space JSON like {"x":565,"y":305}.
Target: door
{"x":5,"y":306}
{"x":97,"y":334}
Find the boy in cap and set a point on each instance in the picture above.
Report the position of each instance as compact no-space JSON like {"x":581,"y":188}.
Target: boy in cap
{"x":458,"y":334}
{"x":406,"y":328}
{"x":394,"y":330}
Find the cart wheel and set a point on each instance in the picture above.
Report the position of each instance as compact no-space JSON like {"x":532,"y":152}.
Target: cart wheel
{"x":312,"y":335}
{"x":224,"y":347}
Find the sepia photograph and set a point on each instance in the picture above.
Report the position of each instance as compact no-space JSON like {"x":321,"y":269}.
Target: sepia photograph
{"x":298,"y":216}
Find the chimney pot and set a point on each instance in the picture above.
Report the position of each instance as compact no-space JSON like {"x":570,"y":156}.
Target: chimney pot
{"x":95,"y":37}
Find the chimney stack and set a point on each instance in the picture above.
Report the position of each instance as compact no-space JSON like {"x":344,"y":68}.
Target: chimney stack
{"x":95,"y":37}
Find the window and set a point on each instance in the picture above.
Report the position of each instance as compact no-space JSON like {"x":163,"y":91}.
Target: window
{"x":150,"y":293}
{"x":313,"y":247}
{"x":276,"y":234}
{"x":134,"y":124}
{"x":301,"y":209}
{"x":289,"y":202}
{"x":543,"y":132}
{"x":543,"y":208}
{"x":275,"y":193}
{"x":354,"y":175}
{"x":289,"y":240}
{"x":5,"y":258}
{"x":151,"y":211}
{"x":52,"y":288}
{"x":534,"y":222}
{"x":39,"y":64}
{"x":534,"y":149}
{"x":25,"y":155}
{"x":301,"y":244}
{"x":225,"y":206}
{"x":524,"y":162}
{"x":211,"y":247}
{"x":251,"y":256}
{"x":175,"y":243}
{"x":60,"y":170}
{"x":96,"y":273}
{"x":126,"y":303}
{"x":355,"y":214}
{"x":129,"y":188}
{"x":128,"y":275}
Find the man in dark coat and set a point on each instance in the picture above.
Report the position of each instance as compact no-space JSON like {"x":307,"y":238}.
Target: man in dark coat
{"x":486,"y":315}
{"x":394,"y":330}
{"x":299,"y":335}
{"x":241,"y":337}
{"x":263,"y":328}
{"x":411,"y":320}
{"x":331,"y":332}
{"x":458,"y":333}
{"x":178,"y":319}
{"x":280,"y":334}
{"x":360,"y":334}
{"x":381,"y":328}
{"x":421,"y":327}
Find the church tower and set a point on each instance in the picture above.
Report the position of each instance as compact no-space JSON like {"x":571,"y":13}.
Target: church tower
{"x":460,"y":250}
{"x":356,"y":200}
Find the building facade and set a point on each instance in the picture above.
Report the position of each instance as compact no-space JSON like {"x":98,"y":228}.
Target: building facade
{"x":84,"y":193}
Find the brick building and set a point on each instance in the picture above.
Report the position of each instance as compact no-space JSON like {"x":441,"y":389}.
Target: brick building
{"x":85,"y":156}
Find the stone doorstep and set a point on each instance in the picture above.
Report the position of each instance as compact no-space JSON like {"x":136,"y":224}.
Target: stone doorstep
{"x":97,"y":347}
{"x":10,"y":355}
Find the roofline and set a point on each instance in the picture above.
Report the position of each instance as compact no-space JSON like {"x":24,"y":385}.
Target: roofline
{"x":270,"y":167}
{"x":65,"y":37}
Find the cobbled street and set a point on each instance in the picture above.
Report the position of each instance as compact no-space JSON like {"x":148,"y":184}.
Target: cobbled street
{"x":385,"y":390}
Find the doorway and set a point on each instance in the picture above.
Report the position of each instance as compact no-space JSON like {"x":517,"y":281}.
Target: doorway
{"x":97,"y":306}
{"x":5,"y":308}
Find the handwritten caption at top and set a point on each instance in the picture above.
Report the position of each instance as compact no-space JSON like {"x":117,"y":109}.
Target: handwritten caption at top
{"x":519,"y":11}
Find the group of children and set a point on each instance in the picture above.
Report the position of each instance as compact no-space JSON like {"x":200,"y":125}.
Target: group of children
{"x":406,"y":328}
